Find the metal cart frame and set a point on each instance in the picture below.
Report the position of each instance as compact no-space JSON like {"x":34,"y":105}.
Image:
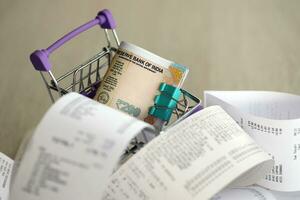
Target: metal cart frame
{"x":85,"y":77}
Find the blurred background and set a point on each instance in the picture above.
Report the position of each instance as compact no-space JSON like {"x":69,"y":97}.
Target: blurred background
{"x":228,"y":45}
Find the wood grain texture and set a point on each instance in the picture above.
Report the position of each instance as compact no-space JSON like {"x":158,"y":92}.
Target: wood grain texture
{"x":228,"y":45}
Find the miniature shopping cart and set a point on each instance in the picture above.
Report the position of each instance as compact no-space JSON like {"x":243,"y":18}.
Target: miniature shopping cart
{"x":86,"y":77}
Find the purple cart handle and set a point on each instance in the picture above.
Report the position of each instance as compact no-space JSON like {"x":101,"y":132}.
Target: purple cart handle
{"x":40,"y":58}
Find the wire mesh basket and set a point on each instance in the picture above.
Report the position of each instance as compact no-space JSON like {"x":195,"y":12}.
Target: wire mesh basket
{"x":86,"y":77}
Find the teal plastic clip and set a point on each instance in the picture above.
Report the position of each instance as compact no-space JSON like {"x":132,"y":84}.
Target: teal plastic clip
{"x":165,"y":103}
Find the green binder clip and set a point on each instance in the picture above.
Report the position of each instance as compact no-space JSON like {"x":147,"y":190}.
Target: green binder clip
{"x":165,"y":103}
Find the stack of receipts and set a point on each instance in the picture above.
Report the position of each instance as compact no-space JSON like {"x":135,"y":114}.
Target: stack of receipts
{"x":74,"y":153}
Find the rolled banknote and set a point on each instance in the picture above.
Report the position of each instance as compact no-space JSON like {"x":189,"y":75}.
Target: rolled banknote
{"x":133,"y":78}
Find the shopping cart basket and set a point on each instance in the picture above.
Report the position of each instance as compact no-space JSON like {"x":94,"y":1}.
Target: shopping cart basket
{"x":86,"y":77}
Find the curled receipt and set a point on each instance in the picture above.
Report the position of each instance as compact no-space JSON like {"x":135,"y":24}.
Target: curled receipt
{"x":272,"y":119}
{"x":6,"y":166}
{"x":194,"y":159}
{"x":73,"y":151}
